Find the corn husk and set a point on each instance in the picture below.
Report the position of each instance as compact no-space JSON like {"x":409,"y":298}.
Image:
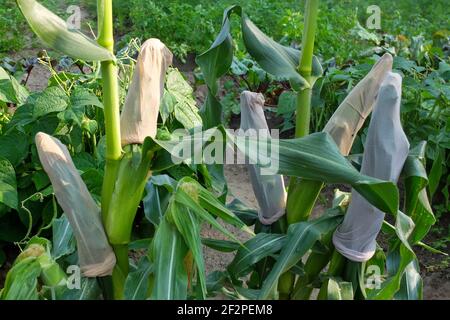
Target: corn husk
{"x":356,"y":107}
{"x":269,"y":189}
{"x":140,"y":113}
{"x":385,"y":152}
{"x":96,"y":258}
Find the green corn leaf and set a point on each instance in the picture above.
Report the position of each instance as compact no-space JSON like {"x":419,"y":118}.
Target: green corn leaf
{"x":398,"y":260}
{"x":168,"y":253}
{"x":188,"y":225}
{"x":411,"y":286}
{"x":184,"y":199}
{"x":314,"y":157}
{"x":137,"y":282}
{"x":390,"y":229}
{"x":403,"y":280}
{"x":157,"y":198}
{"x":208,"y":201}
{"x":338,"y":290}
{"x":247,"y":215}
{"x":254,"y":250}
{"x":89,"y":290}
{"x":300,"y":239}
{"x":278,"y":60}
{"x":216,"y":61}
{"x":221,"y":245}
{"x":55,"y":33}
{"x":22,"y":280}
{"x":205,"y":203}
{"x":140,"y":244}
{"x":417,"y":205}
{"x":400,"y":255}
{"x":436,"y":172}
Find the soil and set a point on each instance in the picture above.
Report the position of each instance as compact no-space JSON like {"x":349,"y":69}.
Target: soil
{"x":434,"y":268}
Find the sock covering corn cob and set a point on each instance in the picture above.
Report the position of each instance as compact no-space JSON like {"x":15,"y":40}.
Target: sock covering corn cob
{"x":386,"y":149}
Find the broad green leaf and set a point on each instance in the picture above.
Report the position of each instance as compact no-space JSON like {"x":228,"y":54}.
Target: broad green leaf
{"x":137,"y":282}
{"x":417,"y":205}
{"x":177,"y":85}
{"x":48,"y":124}
{"x":411,"y":287}
{"x":221,"y":245}
{"x":400,"y":255}
{"x":184,"y":199}
{"x":10,"y":89}
{"x":89,"y":290}
{"x":55,"y":32}
{"x":168,"y":253}
{"x":287,"y":103}
{"x":339,"y":290}
{"x":208,"y":201}
{"x":22,"y":117}
{"x":398,"y":260}
{"x":314,"y":157}
{"x":8,"y":184}
{"x":248,"y":215}
{"x":182,"y":100}
{"x":158,"y":192}
{"x":215,"y":281}
{"x":14,"y":147}
{"x":22,"y":281}
{"x":276,"y":59}
{"x":188,"y":225}
{"x":255,"y":249}
{"x":140,"y":244}
{"x":214,"y":176}
{"x":63,"y":239}
{"x":167,"y":106}
{"x":300,"y":239}
{"x":436,"y":173}
{"x":211,"y":111}
{"x":155,"y":202}
{"x":216,"y":61}
{"x":187,"y":114}
{"x":82,"y":97}
{"x":53,"y":99}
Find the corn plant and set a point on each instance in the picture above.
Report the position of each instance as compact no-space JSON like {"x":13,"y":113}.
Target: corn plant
{"x":311,"y":254}
{"x":179,"y":192}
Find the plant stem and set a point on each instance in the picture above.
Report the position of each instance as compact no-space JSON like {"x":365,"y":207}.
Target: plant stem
{"x":304,"y":193}
{"x":120,"y":271}
{"x":112,"y":131}
{"x":110,"y":102}
{"x":301,"y":198}
{"x":309,"y":34}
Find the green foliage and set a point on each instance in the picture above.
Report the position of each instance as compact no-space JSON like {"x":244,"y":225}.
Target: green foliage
{"x":181,"y":196}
